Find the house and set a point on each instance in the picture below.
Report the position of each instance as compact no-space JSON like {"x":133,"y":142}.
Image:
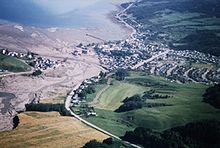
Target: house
{"x":91,"y":113}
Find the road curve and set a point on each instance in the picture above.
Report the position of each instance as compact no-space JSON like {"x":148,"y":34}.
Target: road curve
{"x":67,"y":106}
{"x":118,"y":16}
{"x":69,"y":97}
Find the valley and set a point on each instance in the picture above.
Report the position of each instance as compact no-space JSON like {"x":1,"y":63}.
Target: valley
{"x":151,"y":68}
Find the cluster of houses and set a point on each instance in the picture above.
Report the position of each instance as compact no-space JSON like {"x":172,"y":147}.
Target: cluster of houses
{"x":125,"y":54}
{"x":44,"y":63}
{"x":27,"y":56}
{"x":176,"y":64}
{"x":83,"y":49}
{"x":180,"y":66}
{"x":182,"y":72}
{"x":77,"y":100}
{"x":39,"y":63}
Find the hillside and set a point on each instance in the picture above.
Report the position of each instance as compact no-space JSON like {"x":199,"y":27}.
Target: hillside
{"x":164,"y":104}
{"x":13,"y":64}
{"x":188,"y":24}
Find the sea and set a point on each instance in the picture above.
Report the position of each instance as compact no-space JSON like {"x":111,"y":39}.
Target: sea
{"x":56,"y":13}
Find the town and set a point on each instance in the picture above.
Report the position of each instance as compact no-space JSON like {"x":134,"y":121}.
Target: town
{"x":139,"y":52}
{"x":35,"y":61}
{"x":150,"y":56}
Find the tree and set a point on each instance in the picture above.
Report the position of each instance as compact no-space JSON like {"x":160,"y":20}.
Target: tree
{"x":102,"y":74}
{"x":95,"y":144}
{"x":212,"y":96}
{"x":37,"y":73}
{"x":120,"y":74}
{"x":204,"y":134}
{"x":16,"y":121}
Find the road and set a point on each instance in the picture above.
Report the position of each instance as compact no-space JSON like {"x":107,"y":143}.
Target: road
{"x":118,"y":16}
{"x":16,"y":74}
{"x":68,"y":99}
{"x":68,"y":105}
{"x":150,"y":59}
{"x":169,"y":72}
{"x":186,"y":74}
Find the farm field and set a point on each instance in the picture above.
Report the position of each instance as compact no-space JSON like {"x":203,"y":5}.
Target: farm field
{"x":13,"y":64}
{"x":184,"y":105}
{"x":48,"y":130}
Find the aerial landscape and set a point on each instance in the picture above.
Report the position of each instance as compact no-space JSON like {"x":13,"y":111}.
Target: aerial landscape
{"x":110,"y":73}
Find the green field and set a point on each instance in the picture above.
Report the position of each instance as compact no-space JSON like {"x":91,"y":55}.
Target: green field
{"x":112,"y":97}
{"x":90,"y":97}
{"x":185,"y":100}
{"x":13,"y":64}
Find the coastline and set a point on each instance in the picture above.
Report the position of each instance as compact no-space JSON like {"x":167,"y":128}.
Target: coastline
{"x":44,"y":43}
{"x":111,"y":16}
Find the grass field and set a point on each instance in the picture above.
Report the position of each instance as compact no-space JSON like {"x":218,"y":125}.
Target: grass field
{"x":13,"y":64}
{"x":99,"y":87}
{"x":186,"y":106}
{"x":48,"y":130}
{"x":112,"y":97}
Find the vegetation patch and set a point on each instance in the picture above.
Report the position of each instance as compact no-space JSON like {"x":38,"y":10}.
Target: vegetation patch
{"x":188,"y":24}
{"x":202,"y":134}
{"x":137,"y":101}
{"x":107,"y":143}
{"x":212,"y":96}
{"x":176,"y":104}
{"x":13,"y":64}
{"x":48,"y":108}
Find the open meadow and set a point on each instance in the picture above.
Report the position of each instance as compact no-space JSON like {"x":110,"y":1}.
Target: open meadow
{"x":112,"y":97}
{"x":183,"y":105}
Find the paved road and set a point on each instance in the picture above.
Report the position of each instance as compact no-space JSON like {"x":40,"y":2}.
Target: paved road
{"x":150,"y":59}
{"x":67,"y":106}
{"x":118,"y":16}
{"x":68,"y":99}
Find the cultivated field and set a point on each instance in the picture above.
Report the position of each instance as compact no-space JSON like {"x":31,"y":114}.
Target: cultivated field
{"x":185,"y":105}
{"x":48,"y":130}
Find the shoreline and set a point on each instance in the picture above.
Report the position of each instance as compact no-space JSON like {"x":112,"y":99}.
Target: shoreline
{"x":110,"y":16}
